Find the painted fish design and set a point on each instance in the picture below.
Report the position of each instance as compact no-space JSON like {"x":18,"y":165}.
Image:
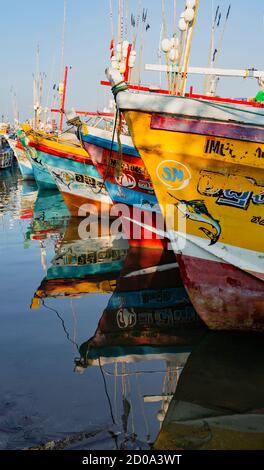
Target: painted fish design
{"x":58,"y":177}
{"x":197,"y":211}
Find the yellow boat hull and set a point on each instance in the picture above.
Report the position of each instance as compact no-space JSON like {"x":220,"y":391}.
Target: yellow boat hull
{"x":209,"y":186}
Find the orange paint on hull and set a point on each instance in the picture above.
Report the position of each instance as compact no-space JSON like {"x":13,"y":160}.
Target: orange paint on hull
{"x":75,"y":205}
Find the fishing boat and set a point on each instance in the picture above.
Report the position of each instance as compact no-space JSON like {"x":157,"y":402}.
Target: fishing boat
{"x":220,"y":406}
{"x":127,"y":182}
{"x":207,"y":156}
{"x":22,"y":158}
{"x":81,"y":265}
{"x":204,"y":156}
{"x":62,"y":163}
{"x":4,"y":128}
{"x":6,"y":154}
{"x":205,"y":160}
{"x":131,"y":184}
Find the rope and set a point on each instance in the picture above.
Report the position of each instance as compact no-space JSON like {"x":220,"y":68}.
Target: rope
{"x":120,"y":86}
{"x":119,"y":158}
{"x":106,"y":391}
{"x":62,"y":322}
{"x":143,"y":411}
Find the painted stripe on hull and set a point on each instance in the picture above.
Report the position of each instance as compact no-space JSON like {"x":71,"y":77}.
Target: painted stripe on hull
{"x":107,"y":144}
{"x":59,"y":153}
{"x":162,"y":298}
{"x":180,"y":106}
{"x":69,"y":165}
{"x":246,"y":260}
{"x":76,"y":272}
{"x":208,"y":128}
{"x":126,"y":354}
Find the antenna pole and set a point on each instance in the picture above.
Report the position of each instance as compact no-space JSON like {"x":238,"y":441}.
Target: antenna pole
{"x":63,"y":97}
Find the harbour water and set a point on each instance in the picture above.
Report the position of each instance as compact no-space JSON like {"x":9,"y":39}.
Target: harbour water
{"x":94,"y":358}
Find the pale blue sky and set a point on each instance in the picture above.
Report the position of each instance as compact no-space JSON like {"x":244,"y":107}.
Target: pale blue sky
{"x":26,"y":23}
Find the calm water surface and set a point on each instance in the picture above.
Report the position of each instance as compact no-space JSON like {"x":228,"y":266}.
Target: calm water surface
{"x":92,"y":347}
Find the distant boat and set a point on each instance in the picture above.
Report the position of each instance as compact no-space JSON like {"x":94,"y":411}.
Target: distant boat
{"x":129,"y":186}
{"x":23,"y":160}
{"x":4,"y":128}
{"x":61,"y":162}
{"x":6,"y":154}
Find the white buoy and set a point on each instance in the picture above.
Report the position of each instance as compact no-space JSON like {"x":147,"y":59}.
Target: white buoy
{"x":122,"y":67}
{"x":125,"y":44}
{"x":173,"y":55}
{"x":190,"y":3}
{"x":131,"y":61}
{"x":114,"y":62}
{"x":189,"y":15}
{"x":125,"y":49}
{"x":165,"y":45}
{"x":182,"y":24}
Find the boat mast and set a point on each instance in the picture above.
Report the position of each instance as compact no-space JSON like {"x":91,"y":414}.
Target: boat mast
{"x":62,"y":85}
{"x":188,"y":49}
{"x":63,"y":95}
{"x":212,"y":46}
{"x":36,"y":99}
{"x":119,"y":23}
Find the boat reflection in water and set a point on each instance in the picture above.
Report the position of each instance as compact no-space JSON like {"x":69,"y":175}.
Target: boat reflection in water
{"x":81,"y":266}
{"x":218,"y":403}
{"x":50,"y":216}
{"x":28,"y":194}
{"x":141,"y":344}
{"x":16,"y":196}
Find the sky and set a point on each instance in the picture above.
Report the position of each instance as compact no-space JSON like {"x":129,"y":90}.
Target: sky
{"x":25,"y":24}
